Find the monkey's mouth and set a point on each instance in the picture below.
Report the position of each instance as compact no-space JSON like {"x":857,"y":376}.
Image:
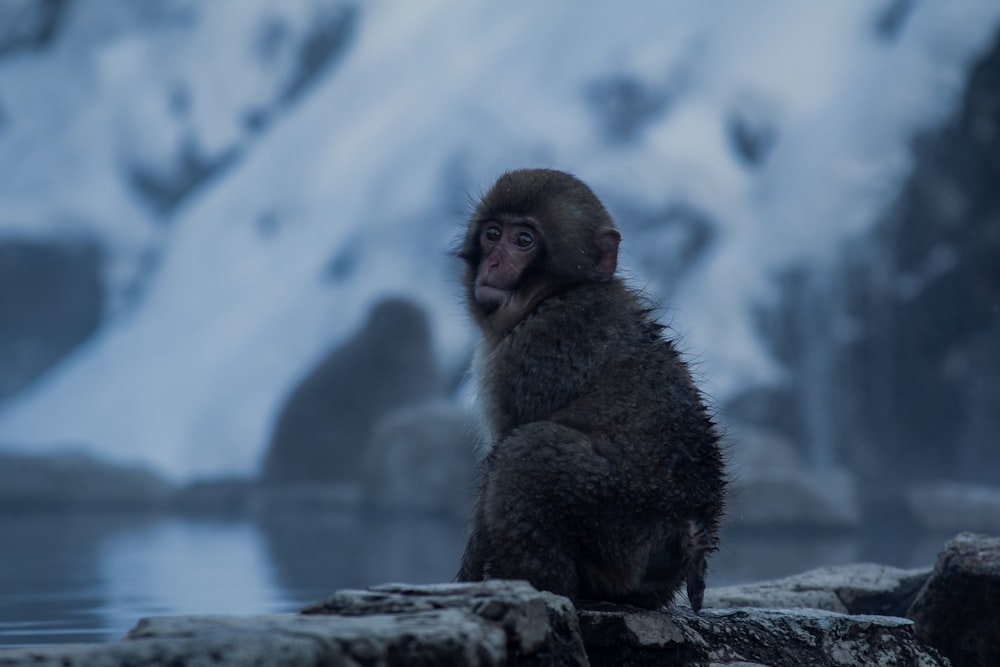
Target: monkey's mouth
{"x":490,"y":297}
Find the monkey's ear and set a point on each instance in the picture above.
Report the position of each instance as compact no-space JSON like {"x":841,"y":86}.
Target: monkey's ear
{"x":607,"y":254}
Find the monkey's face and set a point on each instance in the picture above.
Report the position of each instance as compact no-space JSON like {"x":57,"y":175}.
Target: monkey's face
{"x":536,"y":233}
{"x":508,"y":249}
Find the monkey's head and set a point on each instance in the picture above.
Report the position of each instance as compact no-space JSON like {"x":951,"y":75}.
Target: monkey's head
{"x":536,"y":233}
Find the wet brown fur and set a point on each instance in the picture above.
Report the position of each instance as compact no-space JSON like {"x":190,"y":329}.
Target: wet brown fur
{"x":604,"y":479}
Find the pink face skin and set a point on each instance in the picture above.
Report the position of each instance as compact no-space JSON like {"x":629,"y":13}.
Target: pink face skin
{"x":508,"y":249}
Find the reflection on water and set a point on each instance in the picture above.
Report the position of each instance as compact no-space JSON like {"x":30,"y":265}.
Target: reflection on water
{"x":80,"y":577}
{"x":50,"y":588}
{"x":170,"y":564}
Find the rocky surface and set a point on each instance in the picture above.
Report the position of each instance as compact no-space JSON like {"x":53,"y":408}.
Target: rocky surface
{"x":862,"y":588}
{"x":778,"y":637}
{"x":495,"y":623}
{"x":502,"y":623}
{"x":446,"y":637}
{"x":541,"y":628}
{"x":842,"y":616}
{"x":958,"y":609}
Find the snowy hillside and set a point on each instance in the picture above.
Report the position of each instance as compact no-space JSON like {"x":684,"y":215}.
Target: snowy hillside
{"x":253,"y":205}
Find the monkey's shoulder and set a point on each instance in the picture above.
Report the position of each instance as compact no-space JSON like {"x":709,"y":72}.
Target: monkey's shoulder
{"x":592,"y":310}
{"x":571,"y":340}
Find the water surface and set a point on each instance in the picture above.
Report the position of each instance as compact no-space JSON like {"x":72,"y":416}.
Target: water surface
{"x":70,"y":577}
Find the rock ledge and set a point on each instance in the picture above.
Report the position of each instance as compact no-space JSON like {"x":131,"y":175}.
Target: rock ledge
{"x":499,"y":623}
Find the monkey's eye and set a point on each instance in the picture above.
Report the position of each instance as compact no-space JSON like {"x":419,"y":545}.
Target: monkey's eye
{"x":492,"y":233}
{"x":524,"y":240}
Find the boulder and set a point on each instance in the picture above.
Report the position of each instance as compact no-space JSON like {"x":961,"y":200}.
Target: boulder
{"x":502,"y":623}
{"x":492,"y":623}
{"x":436,"y":637}
{"x":540,"y":628}
{"x":862,"y":588}
{"x":775,"y":637}
{"x":958,"y":610}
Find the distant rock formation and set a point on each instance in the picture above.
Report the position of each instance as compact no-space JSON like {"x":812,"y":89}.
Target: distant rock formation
{"x":324,"y":425}
{"x":420,"y":460}
{"x":53,"y":298}
{"x":893,"y":355}
{"x":71,"y":480}
{"x":29,"y":25}
{"x":922,"y":370}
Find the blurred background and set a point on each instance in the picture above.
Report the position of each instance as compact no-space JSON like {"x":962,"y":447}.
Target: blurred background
{"x":233,"y":351}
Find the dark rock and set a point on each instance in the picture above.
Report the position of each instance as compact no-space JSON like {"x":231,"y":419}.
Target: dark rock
{"x":28,"y":24}
{"x":540,"y":628}
{"x":861,"y":588}
{"x":752,"y":131}
{"x":434,"y":637}
{"x":891,"y":20}
{"x":345,"y":262}
{"x":446,"y":637}
{"x":164,"y":183}
{"x":76,"y":481}
{"x":326,"y":421}
{"x":163,"y":186}
{"x":503,"y":623}
{"x":925,"y":369}
{"x":776,"y":637}
{"x":331,"y":33}
{"x":893,"y":357}
{"x":421,"y":460}
{"x":624,"y":105}
{"x":683,"y":235}
{"x":53,"y":298}
{"x":958,"y":609}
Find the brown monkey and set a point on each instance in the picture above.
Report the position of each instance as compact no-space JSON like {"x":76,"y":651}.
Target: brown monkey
{"x":604,"y":477}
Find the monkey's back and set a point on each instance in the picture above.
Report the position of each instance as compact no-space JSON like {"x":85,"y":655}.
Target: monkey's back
{"x":623,"y":384}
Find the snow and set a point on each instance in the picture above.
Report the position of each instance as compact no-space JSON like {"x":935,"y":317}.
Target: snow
{"x":427,"y":105}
